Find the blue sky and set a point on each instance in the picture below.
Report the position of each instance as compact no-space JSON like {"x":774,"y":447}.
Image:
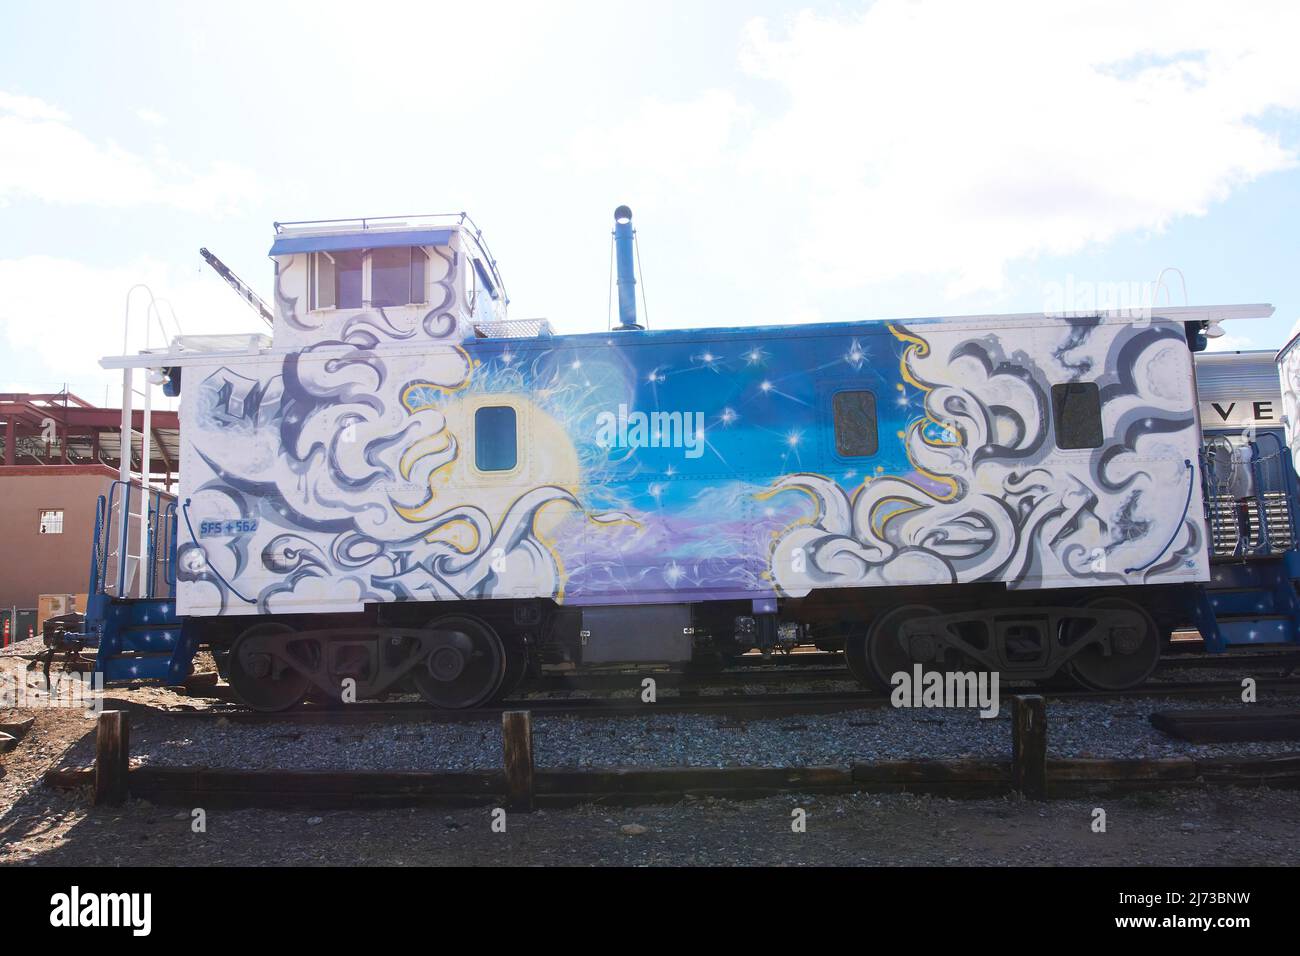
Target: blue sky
{"x":785,"y":162}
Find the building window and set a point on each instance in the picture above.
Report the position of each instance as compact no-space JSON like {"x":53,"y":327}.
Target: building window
{"x":1076,"y":414}
{"x":397,"y":276}
{"x":855,"y":424}
{"x":52,"y":522}
{"x":496,"y":445}
{"x":355,"y":279}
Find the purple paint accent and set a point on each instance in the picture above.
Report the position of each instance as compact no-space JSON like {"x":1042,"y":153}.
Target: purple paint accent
{"x":683,"y":596}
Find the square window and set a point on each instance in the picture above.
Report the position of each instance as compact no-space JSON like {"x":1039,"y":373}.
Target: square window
{"x":52,"y":522}
{"x":1076,"y":414}
{"x":495,"y":441}
{"x":855,"y":424}
{"x":397,"y":276}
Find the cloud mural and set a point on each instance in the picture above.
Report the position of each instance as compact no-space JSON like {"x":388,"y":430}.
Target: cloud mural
{"x":341,"y":468}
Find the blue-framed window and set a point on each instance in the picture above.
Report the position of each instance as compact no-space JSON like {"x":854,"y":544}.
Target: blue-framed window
{"x":496,"y":441}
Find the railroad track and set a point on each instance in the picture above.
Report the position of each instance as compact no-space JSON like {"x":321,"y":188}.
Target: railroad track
{"x":739,"y":706}
{"x":1282,"y":660}
{"x":782,"y":672}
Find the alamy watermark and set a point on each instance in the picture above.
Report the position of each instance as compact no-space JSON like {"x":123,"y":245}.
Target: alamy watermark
{"x":629,"y":429}
{"x":69,"y":690}
{"x":923,"y":688}
{"x":74,"y":909}
{"x":1081,"y":298}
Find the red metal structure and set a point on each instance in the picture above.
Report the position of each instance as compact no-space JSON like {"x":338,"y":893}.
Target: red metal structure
{"x":60,"y":428}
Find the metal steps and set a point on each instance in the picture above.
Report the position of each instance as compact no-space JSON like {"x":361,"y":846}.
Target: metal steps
{"x":142,"y":639}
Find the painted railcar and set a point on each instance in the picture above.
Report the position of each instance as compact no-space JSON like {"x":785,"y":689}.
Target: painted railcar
{"x":405,"y":485}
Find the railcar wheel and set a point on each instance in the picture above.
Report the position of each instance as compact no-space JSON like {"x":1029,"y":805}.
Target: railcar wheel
{"x":1134,"y":652}
{"x":886,"y":654}
{"x":466,"y":666}
{"x":262,"y":679}
{"x":516,"y":667}
{"x":855,"y":658}
{"x":875,"y":656}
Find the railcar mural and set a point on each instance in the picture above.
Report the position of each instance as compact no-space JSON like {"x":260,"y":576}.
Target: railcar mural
{"x":692,"y":466}
{"x":404,"y":484}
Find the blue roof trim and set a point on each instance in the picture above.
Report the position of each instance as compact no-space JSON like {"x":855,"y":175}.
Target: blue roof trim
{"x":288,"y":245}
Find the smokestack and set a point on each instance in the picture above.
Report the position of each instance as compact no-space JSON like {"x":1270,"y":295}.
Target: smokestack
{"x":623,"y":257}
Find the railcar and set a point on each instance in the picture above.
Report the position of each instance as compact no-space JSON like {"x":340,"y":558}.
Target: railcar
{"x":404,"y":486}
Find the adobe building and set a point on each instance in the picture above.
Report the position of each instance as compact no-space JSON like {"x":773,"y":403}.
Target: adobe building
{"x":60,"y":453}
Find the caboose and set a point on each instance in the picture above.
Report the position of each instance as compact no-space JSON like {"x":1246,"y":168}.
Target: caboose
{"x":403,"y":486}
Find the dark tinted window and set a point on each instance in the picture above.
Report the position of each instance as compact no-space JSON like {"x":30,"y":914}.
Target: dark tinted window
{"x":495,"y":444}
{"x":1076,"y":413}
{"x":347,"y":279}
{"x":855,"y":424}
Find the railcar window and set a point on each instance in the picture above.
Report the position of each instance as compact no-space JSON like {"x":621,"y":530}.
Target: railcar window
{"x":495,"y":441}
{"x":338,"y":280}
{"x":1076,"y":413}
{"x":347,"y":279}
{"x":855,"y":424}
{"x":320,"y":280}
{"x":397,"y":276}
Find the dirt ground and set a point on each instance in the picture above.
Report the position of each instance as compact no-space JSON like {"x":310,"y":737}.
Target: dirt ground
{"x":1187,"y":828}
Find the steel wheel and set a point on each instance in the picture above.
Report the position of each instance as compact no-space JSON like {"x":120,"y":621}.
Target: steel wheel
{"x":855,"y":657}
{"x":875,"y":656}
{"x":1132,"y":659}
{"x":516,"y":667}
{"x":466,"y":666}
{"x":263,"y":679}
{"x":886,"y":654}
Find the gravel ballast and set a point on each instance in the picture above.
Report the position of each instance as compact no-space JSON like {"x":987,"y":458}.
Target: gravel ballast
{"x":1105,"y":729}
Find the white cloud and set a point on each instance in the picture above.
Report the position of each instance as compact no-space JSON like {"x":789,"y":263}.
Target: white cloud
{"x":1230,"y":342}
{"x":950,"y":139}
{"x":29,"y":107}
{"x":150,"y":117}
{"x":62,"y":316}
{"x":677,"y":139}
{"x":43,"y":156}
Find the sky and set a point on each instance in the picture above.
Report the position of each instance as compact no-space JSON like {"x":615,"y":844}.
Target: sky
{"x":785,"y":162}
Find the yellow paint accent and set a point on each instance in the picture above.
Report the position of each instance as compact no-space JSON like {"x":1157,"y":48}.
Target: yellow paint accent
{"x":470,"y":365}
{"x":438,"y":535}
{"x":429,"y":445}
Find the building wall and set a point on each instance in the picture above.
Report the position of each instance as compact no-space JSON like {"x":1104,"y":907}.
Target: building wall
{"x":32,"y":563}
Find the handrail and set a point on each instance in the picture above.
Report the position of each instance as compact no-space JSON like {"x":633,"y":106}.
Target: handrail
{"x":160,"y":526}
{"x":101,"y":506}
{"x":169,"y":554}
{"x":1283,"y":458}
{"x":108,"y":534}
{"x":151,"y":544}
{"x":1272,"y":493}
{"x":124,"y":540}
